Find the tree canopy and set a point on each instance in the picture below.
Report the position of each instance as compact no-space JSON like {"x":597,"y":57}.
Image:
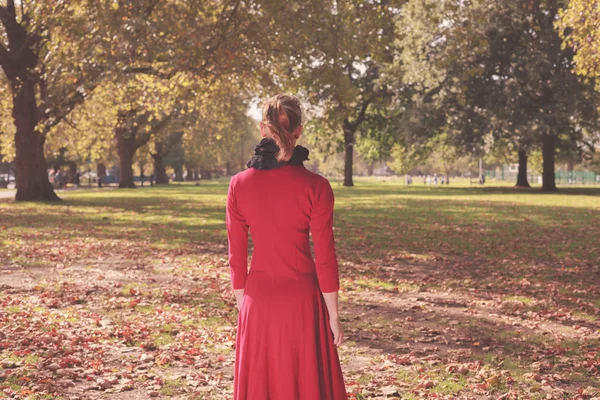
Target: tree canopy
{"x":133,"y":82}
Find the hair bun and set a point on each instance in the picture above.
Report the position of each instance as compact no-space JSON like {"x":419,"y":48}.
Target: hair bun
{"x":281,"y":116}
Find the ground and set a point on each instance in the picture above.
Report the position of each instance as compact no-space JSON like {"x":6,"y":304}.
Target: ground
{"x":447,"y":292}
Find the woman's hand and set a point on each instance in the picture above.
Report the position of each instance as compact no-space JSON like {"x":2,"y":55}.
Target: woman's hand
{"x":239,"y":295}
{"x":338,"y":331}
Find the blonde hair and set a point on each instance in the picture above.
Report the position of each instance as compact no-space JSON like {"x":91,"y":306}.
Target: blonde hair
{"x":281,"y":116}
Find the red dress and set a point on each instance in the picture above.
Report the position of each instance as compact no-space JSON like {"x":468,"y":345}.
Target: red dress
{"x":284,"y":344}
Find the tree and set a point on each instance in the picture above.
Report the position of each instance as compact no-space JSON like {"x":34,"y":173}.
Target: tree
{"x":54,"y":54}
{"x":501,"y":69}
{"x":443,"y":154}
{"x":332,"y":53}
{"x":403,"y":158}
{"x":50,"y":67}
{"x":220,"y":135}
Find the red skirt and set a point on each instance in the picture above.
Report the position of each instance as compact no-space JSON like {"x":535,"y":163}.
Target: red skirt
{"x":284,"y":344}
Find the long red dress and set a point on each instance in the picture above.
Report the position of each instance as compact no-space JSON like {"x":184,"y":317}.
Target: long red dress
{"x":284,"y":344}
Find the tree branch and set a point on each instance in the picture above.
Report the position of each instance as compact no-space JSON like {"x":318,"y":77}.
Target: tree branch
{"x":3,"y":56}
{"x":17,"y":35}
{"x":10,"y":7}
{"x":72,"y":100}
{"x":428,"y":96}
{"x":150,"y":8}
{"x":4,"y":15}
{"x":150,"y":71}
{"x":143,"y":139}
{"x":221,"y":39}
{"x":361,"y":114}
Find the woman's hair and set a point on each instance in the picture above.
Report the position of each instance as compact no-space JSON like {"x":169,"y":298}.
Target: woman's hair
{"x":281,"y":116}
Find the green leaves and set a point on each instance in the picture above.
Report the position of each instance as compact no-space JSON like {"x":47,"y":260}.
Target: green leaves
{"x":486,"y":72}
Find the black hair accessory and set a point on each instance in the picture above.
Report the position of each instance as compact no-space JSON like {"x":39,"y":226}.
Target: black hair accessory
{"x":264,"y":156}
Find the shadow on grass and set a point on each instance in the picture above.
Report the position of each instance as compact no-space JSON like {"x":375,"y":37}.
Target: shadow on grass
{"x":375,"y":189}
{"x":448,"y":333}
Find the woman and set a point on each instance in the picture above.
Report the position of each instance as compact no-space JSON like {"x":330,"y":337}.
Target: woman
{"x":288,"y":324}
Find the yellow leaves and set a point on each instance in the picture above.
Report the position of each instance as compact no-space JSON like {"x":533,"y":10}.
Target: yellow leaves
{"x":578,"y":26}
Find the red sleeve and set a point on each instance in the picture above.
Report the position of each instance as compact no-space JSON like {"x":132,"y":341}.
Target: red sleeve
{"x":237,"y":235}
{"x":321,"y":228}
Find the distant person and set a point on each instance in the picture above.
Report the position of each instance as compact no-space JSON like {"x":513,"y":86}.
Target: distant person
{"x":142,"y":178}
{"x":442,"y":180}
{"x":435,"y":179}
{"x":152,"y":179}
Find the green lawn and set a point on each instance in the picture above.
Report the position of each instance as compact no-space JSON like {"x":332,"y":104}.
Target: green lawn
{"x":447,"y":291}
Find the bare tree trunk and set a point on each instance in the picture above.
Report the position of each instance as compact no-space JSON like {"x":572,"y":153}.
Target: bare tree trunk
{"x":206,"y":174}
{"x":190,"y":174}
{"x":179,"y":173}
{"x":101,"y":173}
{"x":522,"y":181}
{"x":30,"y":162}
{"x":126,"y":148}
{"x":549,"y":155}
{"x":72,"y":172}
{"x":348,"y":155}
{"x":160,"y":171}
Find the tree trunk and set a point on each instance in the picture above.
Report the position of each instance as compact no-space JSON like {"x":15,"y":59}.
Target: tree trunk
{"x":30,"y":163}
{"x":142,"y":176}
{"x":348,"y":156}
{"x":101,"y":173}
{"x":160,"y":171}
{"x":190,"y":174}
{"x":19,"y":60}
{"x":447,"y":178}
{"x":206,"y":174}
{"x":179,"y":173}
{"x":126,"y":147}
{"x":370,"y":168}
{"x":73,"y":172}
{"x":522,"y":181}
{"x":549,"y":154}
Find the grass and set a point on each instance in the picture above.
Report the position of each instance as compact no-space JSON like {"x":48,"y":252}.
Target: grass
{"x":493,"y":278}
